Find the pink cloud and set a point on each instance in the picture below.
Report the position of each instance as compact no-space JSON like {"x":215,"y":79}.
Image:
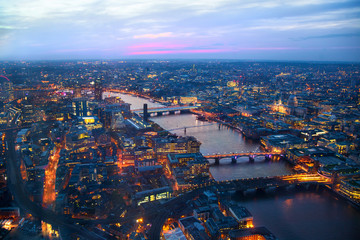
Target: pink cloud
{"x":177,"y":51}
{"x":157,"y":45}
{"x":267,"y":48}
{"x":156,"y":35}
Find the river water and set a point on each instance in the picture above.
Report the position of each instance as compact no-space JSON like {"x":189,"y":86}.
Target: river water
{"x":304,"y":215}
{"x":297,"y":216}
{"x":215,"y":138}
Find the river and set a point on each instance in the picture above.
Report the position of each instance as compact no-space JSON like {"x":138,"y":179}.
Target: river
{"x":298,"y":215}
{"x":304,"y":215}
{"x":215,"y":140}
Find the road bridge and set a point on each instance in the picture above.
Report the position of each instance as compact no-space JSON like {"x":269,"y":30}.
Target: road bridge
{"x":252,"y":155}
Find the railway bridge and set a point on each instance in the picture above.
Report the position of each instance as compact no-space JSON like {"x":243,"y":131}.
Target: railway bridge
{"x":160,"y":111}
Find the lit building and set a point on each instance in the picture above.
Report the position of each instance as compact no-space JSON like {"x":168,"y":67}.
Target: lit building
{"x":80,"y":107}
{"x":188,"y":168}
{"x":90,"y":122}
{"x":240,"y":213}
{"x":2,"y":144}
{"x":152,"y":195}
{"x":193,"y":229}
{"x":174,"y":234}
{"x":188,"y":100}
{"x":79,"y":139}
{"x":144,"y":156}
{"x":280,"y":143}
{"x":6,"y":90}
{"x":164,"y":146}
{"x":212,"y":229}
{"x":84,"y":174}
{"x":257,"y":233}
{"x":351,"y":188}
{"x":295,"y":154}
{"x":323,"y":160}
{"x":279,"y":107}
{"x":113,"y":119}
{"x":138,"y":123}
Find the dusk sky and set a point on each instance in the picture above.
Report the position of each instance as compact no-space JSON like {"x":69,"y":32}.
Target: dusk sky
{"x":315,"y":30}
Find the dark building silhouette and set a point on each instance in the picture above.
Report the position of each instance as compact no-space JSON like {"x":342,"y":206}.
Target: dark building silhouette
{"x":98,"y":89}
{"x":145,"y":113}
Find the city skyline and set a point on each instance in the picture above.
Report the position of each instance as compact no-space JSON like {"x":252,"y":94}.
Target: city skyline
{"x":187,"y":149}
{"x":295,"y":31}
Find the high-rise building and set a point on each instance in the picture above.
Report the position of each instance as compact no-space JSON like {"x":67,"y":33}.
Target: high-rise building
{"x":6,"y":91}
{"x":80,"y":107}
{"x":98,"y":89}
{"x":145,"y":112}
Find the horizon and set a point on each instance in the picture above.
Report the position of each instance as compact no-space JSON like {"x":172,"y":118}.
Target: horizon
{"x":184,"y":59}
{"x":318,"y":30}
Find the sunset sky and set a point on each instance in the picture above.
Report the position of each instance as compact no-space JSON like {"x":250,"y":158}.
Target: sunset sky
{"x":316,"y":30}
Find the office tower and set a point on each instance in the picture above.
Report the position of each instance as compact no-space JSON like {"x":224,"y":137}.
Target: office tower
{"x":98,"y":89}
{"x":80,"y":107}
{"x":145,"y":113}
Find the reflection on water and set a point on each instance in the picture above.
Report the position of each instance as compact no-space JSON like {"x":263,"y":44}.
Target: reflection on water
{"x":304,"y":215}
{"x":136,"y":102}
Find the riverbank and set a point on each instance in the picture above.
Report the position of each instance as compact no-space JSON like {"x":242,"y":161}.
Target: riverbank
{"x":353,"y":203}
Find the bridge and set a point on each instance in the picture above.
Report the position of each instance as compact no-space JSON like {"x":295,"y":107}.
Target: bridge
{"x":159,"y":111}
{"x":269,"y":183}
{"x":187,"y":127}
{"x":252,"y":155}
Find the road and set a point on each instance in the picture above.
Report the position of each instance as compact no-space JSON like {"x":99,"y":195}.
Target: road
{"x":17,"y":189}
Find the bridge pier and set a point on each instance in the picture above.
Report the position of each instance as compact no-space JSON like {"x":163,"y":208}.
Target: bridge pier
{"x":290,"y":187}
{"x":249,"y":192}
{"x":267,"y":157}
{"x":233,"y":160}
{"x":217,"y":161}
{"x":251,"y":158}
{"x":270,"y":190}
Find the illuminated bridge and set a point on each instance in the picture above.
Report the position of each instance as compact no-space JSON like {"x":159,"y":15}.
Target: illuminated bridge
{"x":252,"y":155}
{"x":270,"y":183}
{"x":159,"y":111}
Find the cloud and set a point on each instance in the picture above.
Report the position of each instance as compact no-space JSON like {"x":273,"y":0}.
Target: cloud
{"x":156,"y":35}
{"x":11,"y":27}
{"x":340,"y":35}
{"x":157,"y":46}
{"x":178,"y":25}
